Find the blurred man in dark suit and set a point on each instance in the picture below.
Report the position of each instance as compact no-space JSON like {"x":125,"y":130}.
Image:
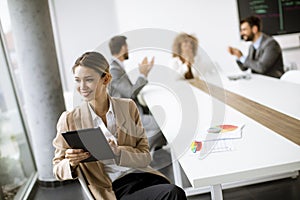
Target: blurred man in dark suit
{"x":265,"y":56}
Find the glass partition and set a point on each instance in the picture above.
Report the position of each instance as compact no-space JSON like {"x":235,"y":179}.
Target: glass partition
{"x":17,"y":169}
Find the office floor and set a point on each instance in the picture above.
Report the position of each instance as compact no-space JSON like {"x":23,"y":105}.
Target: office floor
{"x":286,"y":189}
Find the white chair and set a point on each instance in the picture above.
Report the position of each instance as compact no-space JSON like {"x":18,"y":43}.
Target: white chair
{"x":84,"y":186}
{"x":292,"y":76}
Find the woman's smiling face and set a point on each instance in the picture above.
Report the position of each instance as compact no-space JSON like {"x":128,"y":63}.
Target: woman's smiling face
{"x":88,"y":83}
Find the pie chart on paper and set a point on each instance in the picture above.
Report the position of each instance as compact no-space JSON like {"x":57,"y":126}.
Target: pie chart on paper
{"x":222,"y":128}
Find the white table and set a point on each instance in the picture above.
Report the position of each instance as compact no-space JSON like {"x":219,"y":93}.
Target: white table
{"x":279,"y":95}
{"x":260,"y":155}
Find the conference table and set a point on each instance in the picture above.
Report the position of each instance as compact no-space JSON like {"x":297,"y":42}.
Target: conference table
{"x":281,"y":95}
{"x":270,"y":101}
{"x":185,"y":109}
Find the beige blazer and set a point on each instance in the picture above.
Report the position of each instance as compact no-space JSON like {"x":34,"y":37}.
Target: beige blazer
{"x":131,"y":139}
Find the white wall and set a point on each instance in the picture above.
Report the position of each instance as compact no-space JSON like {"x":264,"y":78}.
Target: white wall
{"x":80,"y":26}
{"x":214,"y":22}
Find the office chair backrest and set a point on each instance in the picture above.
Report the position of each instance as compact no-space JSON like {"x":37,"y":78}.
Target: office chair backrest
{"x":292,"y":76}
{"x":84,"y":186}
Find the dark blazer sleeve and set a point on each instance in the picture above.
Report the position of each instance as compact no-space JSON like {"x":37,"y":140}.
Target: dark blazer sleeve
{"x":121,"y":85}
{"x":268,"y":56}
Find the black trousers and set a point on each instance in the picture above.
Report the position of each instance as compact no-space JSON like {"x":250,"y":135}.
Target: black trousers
{"x":146,"y":186}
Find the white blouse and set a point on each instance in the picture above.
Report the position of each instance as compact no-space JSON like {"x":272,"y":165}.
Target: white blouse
{"x":113,"y":170}
{"x":181,"y":68}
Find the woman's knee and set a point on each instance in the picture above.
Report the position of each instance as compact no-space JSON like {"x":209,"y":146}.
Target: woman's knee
{"x":175,"y":192}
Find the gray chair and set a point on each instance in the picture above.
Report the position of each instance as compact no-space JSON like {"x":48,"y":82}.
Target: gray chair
{"x":292,"y":76}
{"x":85,"y":188}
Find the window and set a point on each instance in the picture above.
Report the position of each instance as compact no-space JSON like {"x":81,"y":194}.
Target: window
{"x":17,"y":169}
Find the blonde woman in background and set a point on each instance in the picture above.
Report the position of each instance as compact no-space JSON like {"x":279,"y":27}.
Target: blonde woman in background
{"x":184,"y":60}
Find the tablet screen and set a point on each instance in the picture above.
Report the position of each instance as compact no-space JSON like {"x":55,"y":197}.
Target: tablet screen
{"x":91,"y":140}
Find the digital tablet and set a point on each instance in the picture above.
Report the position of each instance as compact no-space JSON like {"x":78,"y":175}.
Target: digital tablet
{"x":91,"y":140}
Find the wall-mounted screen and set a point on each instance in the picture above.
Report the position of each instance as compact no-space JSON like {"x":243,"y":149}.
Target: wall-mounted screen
{"x":278,"y":16}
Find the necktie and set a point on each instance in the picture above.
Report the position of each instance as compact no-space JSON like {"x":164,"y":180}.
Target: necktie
{"x":253,"y":52}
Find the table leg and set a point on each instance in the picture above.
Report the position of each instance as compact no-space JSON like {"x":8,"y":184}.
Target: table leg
{"x":216,"y":192}
{"x":176,"y":170}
